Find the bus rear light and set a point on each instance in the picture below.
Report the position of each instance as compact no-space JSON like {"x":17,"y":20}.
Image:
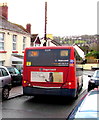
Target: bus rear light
{"x":67,"y":84}
{"x":29,"y":84}
{"x":71,"y":65}
{"x":24,"y":81}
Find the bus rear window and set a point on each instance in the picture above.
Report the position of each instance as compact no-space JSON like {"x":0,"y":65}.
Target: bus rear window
{"x":48,"y":57}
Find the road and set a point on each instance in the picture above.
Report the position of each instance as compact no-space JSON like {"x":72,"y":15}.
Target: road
{"x":41,"y":107}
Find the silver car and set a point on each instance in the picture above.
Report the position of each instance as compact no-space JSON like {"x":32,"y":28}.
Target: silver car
{"x":5,"y":83}
{"x":94,"y":80}
{"x":88,"y":108}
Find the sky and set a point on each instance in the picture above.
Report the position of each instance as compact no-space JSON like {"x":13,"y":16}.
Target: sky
{"x":64,"y":17}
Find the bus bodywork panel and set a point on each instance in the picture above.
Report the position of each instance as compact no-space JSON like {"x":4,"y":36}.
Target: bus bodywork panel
{"x":40,"y":76}
{"x":49,"y":91}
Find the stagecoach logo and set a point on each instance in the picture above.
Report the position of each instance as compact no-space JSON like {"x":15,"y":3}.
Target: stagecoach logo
{"x":43,"y":69}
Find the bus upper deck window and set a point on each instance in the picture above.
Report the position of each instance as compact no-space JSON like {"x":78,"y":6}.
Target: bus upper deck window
{"x":64,"y":53}
{"x":33,"y":53}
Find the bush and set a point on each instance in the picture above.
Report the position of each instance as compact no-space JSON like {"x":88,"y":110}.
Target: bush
{"x":93,"y":54}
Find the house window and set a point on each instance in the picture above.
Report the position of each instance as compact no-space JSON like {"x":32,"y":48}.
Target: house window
{"x":14,"y":41}
{"x":1,"y":41}
{"x":37,"y":45}
{"x":24,"y":42}
{"x":2,"y":63}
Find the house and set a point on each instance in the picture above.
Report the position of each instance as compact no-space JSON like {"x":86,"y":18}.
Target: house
{"x":37,"y":41}
{"x":14,"y":39}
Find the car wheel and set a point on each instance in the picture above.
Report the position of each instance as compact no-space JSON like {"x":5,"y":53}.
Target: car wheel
{"x":5,"y":93}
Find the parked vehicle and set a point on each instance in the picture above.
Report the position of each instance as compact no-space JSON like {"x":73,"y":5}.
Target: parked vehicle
{"x":88,"y":107}
{"x":94,"y":80}
{"x":16,"y":76}
{"x":5,"y":83}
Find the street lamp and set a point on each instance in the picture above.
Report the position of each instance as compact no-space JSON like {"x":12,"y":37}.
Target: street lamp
{"x":45,"y":24}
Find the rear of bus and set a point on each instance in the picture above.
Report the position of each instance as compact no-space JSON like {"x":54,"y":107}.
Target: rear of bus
{"x":49,"y":71}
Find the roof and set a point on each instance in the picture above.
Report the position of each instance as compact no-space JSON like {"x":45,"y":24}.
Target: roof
{"x":6,"y":25}
{"x":33,"y":37}
{"x":51,"y":47}
{"x":56,"y":43}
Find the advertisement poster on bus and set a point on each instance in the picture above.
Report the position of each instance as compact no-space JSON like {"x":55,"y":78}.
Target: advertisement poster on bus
{"x":47,"y":77}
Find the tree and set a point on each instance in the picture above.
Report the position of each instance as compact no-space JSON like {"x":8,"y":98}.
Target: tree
{"x":95,"y":54}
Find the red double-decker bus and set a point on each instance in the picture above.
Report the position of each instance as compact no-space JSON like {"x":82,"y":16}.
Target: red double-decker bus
{"x":52,"y":71}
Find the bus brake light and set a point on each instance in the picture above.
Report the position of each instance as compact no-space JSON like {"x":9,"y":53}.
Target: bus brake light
{"x":24,"y":81}
{"x":67,"y":84}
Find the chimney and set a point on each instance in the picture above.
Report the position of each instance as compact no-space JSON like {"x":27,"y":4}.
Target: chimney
{"x":4,"y":10}
{"x":28,"y":28}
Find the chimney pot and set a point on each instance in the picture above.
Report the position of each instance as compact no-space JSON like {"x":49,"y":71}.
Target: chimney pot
{"x":28,"y":28}
{"x":4,"y":10}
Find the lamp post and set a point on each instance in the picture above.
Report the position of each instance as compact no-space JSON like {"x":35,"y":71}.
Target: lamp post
{"x":45,"y":24}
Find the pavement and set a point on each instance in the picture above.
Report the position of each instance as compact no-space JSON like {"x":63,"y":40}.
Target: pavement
{"x":16,"y":91}
{"x":90,"y":66}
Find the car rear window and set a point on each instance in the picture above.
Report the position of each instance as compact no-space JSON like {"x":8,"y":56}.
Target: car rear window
{"x":13,"y":71}
{"x":96,"y":74}
{"x":3,"y":72}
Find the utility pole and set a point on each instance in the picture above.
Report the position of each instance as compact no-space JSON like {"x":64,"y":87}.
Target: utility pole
{"x":45,"y":24}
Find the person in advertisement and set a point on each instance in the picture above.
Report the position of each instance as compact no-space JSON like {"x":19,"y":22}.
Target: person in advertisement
{"x":50,"y":77}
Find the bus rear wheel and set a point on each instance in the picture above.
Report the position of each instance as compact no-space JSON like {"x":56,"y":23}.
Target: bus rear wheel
{"x":76,"y":96}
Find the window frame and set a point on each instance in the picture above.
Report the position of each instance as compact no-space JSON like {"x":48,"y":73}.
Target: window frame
{"x":24,"y":42}
{"x":2,"y":41}
{"x":2,"y":72}
{"x":14,"y":40}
